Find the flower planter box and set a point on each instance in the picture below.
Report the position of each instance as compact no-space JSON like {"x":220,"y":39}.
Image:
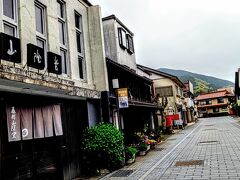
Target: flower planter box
{"x":148,"y":147}
{"x":142,"y":153}
{"x":131,"y":160}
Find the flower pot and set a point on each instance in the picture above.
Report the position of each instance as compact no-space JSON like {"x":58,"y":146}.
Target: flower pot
{"x":130,"y":161}
{"x":148,"y":147}
{"x":142,"y":153}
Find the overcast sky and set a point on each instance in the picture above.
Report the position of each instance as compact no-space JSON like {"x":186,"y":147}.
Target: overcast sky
{"x":201,"y":36}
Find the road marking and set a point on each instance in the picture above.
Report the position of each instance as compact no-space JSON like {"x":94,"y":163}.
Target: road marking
{"x":153,"y":167}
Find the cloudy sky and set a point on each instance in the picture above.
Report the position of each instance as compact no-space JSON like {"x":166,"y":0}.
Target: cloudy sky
{"x":201,"y":36}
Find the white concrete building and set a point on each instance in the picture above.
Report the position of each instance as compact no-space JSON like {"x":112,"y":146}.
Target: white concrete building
{"x":118,"y":40}
{"x":52,"y":73}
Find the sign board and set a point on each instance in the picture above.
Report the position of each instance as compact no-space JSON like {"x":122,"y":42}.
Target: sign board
{"x":115,"y":83}
{"x":122,"y":97}
{"x":54,"y":63}
{"x":10,"y":49}
{"x":35,"y":57}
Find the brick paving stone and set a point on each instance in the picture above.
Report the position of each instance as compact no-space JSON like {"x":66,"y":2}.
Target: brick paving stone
{"x":221,"y":158}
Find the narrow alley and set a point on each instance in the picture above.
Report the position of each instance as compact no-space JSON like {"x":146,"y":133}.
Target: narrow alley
{"x":209,"y":149}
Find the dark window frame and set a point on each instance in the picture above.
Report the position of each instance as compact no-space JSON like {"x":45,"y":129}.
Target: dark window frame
{"x":130,"y":44}
{"x":122,"y":36}
{"x":80,"y":46}
{"x":220,"y":100}
{"x":164,"y":91}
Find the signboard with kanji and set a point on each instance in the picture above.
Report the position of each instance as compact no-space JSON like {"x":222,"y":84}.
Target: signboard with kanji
{"x":122,"y":98}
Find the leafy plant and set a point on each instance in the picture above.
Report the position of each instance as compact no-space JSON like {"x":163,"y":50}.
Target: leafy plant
{"x":130,"y":152}
{"x":142,"y":146}
{"x":102,"y":147}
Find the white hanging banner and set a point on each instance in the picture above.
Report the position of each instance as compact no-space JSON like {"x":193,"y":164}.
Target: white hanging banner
{"x":13,"y":123}
{"x":57,"y":120}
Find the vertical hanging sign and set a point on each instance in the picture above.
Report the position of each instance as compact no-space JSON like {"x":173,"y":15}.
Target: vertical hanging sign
{"x":122,"y":98}
{"x":13,"y":122}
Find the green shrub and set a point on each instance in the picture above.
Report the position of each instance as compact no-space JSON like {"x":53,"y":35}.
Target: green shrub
{"x":103,"y":147}
{"x":130,"y":152}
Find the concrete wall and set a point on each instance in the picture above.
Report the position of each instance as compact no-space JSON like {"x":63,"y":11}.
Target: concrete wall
{"x":160,"y":81}
{"x":94,"y":56}
{"x":99,"y":68}
{"x":112,"y":47}
{"x":110,"y":41}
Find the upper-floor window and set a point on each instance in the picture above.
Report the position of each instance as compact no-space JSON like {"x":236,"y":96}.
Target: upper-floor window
{"x":122,"y":38}
{"x":164,"y":91}
{"x":40,"y":18}
{"x":41,"y":31}
{"x":206,"y":102}
{"x":63,"y":35}
{"x":215,"y":109}
{"x":130,"y":46}
{"x":80,"y":47}
{"x":10,"y":21}
{"x":220,"y":100}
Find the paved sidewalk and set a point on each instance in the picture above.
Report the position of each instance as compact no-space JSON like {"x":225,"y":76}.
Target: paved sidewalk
{"x":212,"y":144}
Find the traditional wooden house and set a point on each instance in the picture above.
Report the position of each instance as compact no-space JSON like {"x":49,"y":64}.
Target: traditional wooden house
{"x":170,"y":91}
{"x":137,"y":111}
{"x":214,"y":103}
{"x":52,"y":73}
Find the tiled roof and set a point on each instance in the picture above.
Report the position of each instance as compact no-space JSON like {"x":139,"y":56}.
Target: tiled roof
{"x":172,"y":77}
{"x":213,"y":95}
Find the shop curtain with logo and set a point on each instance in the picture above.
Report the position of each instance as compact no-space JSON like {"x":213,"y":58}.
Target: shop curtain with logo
{"x":26,"y":123}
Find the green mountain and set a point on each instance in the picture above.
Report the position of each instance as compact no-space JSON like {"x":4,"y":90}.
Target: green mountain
{"x":201,"y":83}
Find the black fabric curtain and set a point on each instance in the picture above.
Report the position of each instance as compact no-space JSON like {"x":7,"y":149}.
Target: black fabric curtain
{"x":33,"y":122}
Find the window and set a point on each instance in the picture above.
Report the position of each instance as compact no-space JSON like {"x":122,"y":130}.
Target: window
{"x":202,"y":102}
{"x":80,"y":47}
{"x":206,"y":102}
{"x":10,"y":22}
{"x":41,"y":34}
{"x":80,"y":64}
{"x":130,"y":46}
{"x":215,"y":109}
{"x":8,"y":8}
{"x":41,"y":43}
{"x":122,"y":38}
{"x":164,"y":91}
{"x":63,"y":54}
{"x":220,"y":100}
{"x":63,"y":35}
{"x":39,"y":15}
{"x":8,"y":29}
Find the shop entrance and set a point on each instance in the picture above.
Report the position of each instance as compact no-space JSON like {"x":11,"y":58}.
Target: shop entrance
{"x":35,"y":158}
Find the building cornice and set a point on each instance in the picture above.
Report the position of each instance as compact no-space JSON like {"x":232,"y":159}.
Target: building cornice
{"x":47,"y":83}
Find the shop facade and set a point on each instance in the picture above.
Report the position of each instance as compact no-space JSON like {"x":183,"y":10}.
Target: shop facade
{"x":51,"y":80}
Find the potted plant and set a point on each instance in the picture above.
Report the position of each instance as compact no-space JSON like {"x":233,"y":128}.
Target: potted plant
{"x":130,"y":153}
{"x":142,"y":148}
